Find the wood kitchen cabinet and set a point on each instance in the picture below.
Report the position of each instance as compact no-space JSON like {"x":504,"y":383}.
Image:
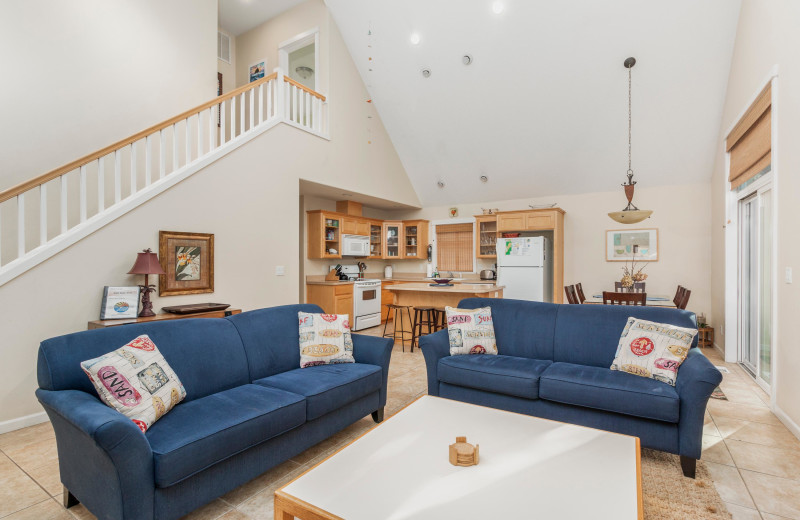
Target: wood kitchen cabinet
{"x":387,"y":297}
{"x":324,"y":234}
{"x":415,"y":239}
{"x":375,"y":240}
{"x":353,"y":226}
{"x":393,"y":241}
{"x":486,"y":236}
{"x":334,"y":299}
{"x":546,"y":222}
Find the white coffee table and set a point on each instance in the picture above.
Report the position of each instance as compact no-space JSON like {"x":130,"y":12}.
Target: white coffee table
{"x":529,"y":468}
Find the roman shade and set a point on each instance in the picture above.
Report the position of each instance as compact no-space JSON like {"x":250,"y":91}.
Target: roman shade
{"x":454,"y":247}
{"x":750,"y":141}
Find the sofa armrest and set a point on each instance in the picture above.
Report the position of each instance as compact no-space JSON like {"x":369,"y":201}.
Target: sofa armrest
{"x":103,"y":456}
{"x":697,"y":379}
{"x":374,"y":351}
{"x":434,"y":347}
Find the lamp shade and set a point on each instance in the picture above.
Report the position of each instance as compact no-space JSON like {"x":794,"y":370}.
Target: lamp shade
{"x":146,"y":263}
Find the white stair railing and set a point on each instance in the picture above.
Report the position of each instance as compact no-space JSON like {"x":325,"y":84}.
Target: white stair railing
{"x":56,"y":209}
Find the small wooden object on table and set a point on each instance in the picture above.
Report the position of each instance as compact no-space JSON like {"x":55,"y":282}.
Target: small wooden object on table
{"x":705,"y":337}
{"x":463,"y":453}
{"x":102,"y":324}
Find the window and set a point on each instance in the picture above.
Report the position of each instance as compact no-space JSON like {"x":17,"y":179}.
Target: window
{"x":454,"y":247}
{"x":750,"y":142}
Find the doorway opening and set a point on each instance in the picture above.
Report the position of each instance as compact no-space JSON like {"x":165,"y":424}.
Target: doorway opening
{"x":299,"y":58}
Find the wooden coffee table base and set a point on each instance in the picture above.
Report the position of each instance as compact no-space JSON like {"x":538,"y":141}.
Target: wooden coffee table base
{"x":288,"y":507}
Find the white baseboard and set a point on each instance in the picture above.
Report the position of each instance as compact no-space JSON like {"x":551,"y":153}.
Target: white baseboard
{"x":786,"y":420}
{"x":23,"y":422}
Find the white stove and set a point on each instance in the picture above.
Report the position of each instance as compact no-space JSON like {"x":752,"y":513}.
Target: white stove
{"x":366,"y":304}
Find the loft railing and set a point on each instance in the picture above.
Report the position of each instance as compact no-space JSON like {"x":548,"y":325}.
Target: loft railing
{"x":56,"y":209}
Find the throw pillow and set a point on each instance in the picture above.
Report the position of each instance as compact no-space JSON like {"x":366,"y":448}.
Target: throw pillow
{"x":471,"y":331}
{"x":136,"y":381}
{"x":325,"y":339}
{"x":654,"y":350}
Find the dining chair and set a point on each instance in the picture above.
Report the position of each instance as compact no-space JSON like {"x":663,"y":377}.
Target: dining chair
{"x":685,"y":300}
{"x":572,"y":297}
{"x":639,"y":286}
{"x":618,"y":287}
{"x":678,"y":296}
{"x":624,"y":298}
{"x":581,"y":296}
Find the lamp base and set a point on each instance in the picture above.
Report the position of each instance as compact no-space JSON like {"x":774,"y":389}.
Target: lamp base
{"x":147,"y":305}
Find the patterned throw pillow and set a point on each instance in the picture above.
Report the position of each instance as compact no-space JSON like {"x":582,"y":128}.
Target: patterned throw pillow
{"x":471,"y":331}
{"x":653,"y":350}
{"x":325,"y":339}
{"x":136,"y":381}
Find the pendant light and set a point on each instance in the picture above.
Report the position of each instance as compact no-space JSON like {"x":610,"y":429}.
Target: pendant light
{"x":631,"y":214}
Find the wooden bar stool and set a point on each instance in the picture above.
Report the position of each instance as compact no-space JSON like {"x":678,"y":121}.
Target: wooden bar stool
{"x":423,"y":316}
{"x":440,"y":318}
{"x":398,"y":325}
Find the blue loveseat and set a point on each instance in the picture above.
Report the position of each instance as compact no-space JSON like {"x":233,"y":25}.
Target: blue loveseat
{"x":554,"y":363}
{"x":248,"y":407}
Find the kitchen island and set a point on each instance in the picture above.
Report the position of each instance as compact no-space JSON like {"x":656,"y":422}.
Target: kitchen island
{"x":425,"y":295}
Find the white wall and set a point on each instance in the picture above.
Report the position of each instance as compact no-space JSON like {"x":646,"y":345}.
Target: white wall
{"x":84,"y":74}
{"x":249,"y":200}
{"x":767,"y":35}
{"x":681,"y":213}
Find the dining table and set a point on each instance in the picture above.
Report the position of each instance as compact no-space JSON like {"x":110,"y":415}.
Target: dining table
{"x":653,"y":300}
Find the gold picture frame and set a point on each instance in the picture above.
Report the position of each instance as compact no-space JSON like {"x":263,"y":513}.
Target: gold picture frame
{"x":188,"y":260}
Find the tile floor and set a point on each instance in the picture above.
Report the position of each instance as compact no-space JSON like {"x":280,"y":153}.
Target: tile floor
{"x":753,"y":458}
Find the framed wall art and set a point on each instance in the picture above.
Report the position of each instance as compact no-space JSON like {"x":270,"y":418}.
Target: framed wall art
{"x":188,"y":260}
{"x":623,"y":244}
{"x":257,"y":70}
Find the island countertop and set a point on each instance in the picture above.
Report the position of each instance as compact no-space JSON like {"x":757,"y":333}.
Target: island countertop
{"x":461,"y":288}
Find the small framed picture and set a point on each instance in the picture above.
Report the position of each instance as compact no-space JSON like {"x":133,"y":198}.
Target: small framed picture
{"x":188,"y":260}
{"x":119,"y":303}
{"x":626,"y":244}
{"x":257,"y":70}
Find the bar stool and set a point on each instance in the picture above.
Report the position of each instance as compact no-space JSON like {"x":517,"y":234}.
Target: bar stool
{"x":440,"y":318}
{"x":398,"y":325}
{"x":423,"y":316}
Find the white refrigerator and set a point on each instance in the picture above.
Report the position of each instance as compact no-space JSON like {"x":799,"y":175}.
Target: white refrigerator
{"x":525,"y":268}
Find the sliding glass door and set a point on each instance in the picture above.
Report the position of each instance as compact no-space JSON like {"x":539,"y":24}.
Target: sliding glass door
{"x":755,"y":285}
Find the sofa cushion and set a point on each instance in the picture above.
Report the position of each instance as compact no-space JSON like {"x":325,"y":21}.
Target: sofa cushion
{"x":471,"y":331}
{"x":136,"y":381}
{"x":202,"y":432}
{"x":604,"y":389}
{"x":654,"y":350}
{"x":324,"y":339}
{"x":327,"y":387}
{"x":501,"y":374}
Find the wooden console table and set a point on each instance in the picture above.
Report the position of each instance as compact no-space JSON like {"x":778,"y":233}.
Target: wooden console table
{"x":102,"y":324}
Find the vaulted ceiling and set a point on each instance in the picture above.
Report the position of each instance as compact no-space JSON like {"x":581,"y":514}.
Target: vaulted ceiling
{"x":542,"y":109}
{"x":239,"y":16}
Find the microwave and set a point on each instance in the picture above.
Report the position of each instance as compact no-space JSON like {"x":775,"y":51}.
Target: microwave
{"x":355,"y":245}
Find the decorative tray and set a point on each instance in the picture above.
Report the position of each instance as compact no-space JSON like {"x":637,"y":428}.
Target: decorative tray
{"x":196,"y":307}
{"x":442,"y":284}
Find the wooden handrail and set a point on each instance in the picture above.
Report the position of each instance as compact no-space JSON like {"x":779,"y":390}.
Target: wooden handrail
{"x":289,"y":80}
{"x":21,"y":188}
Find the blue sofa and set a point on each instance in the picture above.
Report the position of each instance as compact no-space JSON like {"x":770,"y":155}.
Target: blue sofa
{"x":554,"y":363}
{"x":248,"y":408}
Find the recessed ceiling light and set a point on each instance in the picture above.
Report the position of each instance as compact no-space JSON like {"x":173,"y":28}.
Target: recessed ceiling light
{"x":440,"y":184}
{"x":484,"y":178}
{"x":497,"y":7}
{"x":347,"y":194}
{"x":466,"y":59}
{"x":415,"y":38}
{"x":426,"y":73}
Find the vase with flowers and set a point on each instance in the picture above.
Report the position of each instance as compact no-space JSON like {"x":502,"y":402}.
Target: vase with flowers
{"x":630,"y":274}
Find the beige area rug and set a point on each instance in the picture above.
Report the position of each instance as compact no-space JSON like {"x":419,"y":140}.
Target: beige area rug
{"x":668,"y":495}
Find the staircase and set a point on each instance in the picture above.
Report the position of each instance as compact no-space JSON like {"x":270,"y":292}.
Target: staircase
{"x":55,"y":210}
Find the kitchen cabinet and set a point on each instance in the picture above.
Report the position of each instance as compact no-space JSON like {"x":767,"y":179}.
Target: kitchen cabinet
{"x":486,"y":237}
{"x":334,"y":299}
{"x":324,"y":235}
{"x":392,"y":241}
{"x":415,"y":241}
{"x":352,"y":226}
{"x":387,"y":297}
{"x":375,"y":240}
{"x":540,"y":222}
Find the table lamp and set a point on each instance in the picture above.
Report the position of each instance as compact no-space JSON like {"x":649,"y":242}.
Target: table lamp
{"x":146,"y":263}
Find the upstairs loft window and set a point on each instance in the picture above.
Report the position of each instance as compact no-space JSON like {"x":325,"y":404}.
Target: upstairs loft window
{"x":454,"y":247}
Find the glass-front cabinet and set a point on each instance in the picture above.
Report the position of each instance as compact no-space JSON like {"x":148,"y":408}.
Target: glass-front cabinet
{"x":375,"y":240}
{"x":486,"y":238}
{"x":393,"y":243}
{"x":415,"y":239}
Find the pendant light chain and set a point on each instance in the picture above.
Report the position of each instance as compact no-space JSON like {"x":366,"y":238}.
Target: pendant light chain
{"x":630,"y":171}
